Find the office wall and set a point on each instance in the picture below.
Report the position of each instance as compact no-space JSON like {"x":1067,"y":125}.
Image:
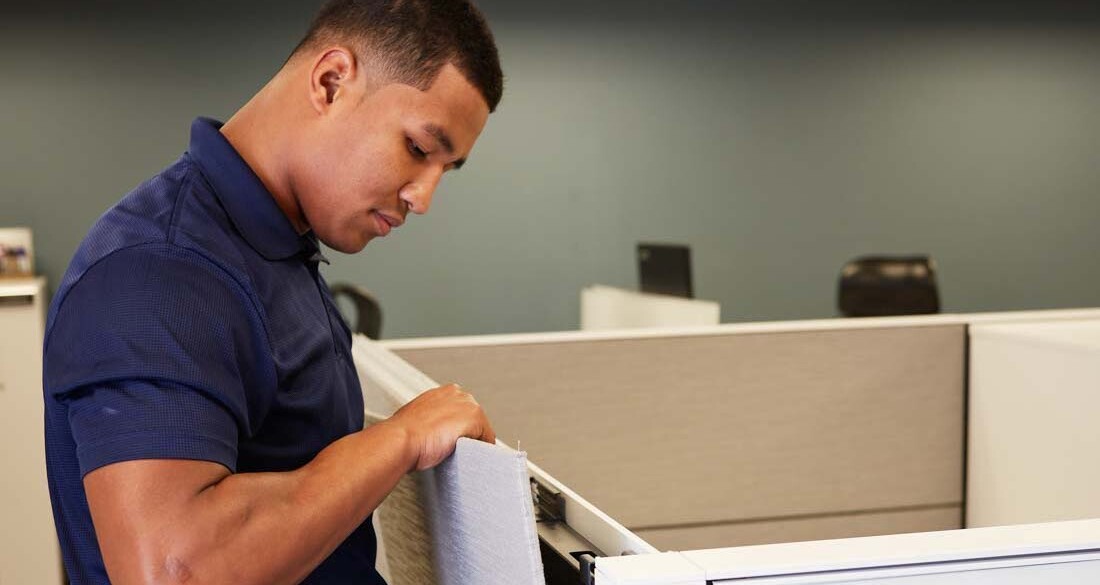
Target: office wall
{"x":777,"y":138}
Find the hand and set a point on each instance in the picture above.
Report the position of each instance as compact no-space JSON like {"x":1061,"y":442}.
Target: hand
{"x":436,"y":419}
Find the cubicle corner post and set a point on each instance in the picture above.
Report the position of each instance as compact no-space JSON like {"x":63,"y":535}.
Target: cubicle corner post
{"x":965,"y":471}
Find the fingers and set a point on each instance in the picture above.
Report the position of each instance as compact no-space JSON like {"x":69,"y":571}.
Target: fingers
{"x":486,"y":430}
{"x":487,"y":433}
{"x":439,"y":417}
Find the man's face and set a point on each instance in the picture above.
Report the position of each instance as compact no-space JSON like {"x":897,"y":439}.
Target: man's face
{"x":379,"y":155}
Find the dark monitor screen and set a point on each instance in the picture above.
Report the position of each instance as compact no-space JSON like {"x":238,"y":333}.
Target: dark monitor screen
{"x":665,"y":269}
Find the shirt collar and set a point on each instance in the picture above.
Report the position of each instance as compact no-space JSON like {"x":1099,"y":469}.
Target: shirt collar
{"x":246,"y":200}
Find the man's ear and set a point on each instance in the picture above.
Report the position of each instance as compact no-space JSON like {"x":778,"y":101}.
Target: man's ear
{"x":331,"y":77}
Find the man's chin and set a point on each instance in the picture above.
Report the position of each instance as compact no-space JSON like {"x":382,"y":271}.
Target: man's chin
{"x":347,"y":246}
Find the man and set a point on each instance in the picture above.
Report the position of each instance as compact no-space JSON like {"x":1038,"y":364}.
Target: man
{"x":204,"y":417}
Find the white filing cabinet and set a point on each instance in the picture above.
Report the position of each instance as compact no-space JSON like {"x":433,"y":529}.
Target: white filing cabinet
{"x":605,"y":307}
{"x":28,"y":542}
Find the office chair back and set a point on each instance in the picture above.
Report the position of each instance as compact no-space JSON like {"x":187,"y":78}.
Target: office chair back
{"x":368,"y":312}
{"x":878,"y":286}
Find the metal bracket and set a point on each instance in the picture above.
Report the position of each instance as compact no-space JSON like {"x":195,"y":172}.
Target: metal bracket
{"x":587,"y":560}
{"x":567,"y":558}
{"x":549,"y":503}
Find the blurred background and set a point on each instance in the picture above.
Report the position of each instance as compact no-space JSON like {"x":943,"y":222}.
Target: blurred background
{"x":777,"y":138}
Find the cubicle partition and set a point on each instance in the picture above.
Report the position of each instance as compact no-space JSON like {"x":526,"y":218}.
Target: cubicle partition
{"x":736,"y":438}
{"x":749,"y":434}
{"x":1034,"y":436}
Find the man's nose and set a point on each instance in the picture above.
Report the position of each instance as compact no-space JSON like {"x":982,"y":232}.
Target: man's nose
{"x":418,"y":193}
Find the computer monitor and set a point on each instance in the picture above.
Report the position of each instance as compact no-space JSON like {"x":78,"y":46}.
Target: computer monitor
{"x":665,"y":269}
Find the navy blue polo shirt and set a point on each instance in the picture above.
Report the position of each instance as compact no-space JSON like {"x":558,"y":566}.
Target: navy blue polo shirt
{"x":193,"y":324}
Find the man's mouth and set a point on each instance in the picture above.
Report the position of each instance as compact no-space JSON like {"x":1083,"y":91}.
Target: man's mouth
{"x":385,"y":222}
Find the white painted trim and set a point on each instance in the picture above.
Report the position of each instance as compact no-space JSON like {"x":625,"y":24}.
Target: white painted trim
{"x":741,"y":328}
{"x":1078,"y":335}
{"x":957,"y":568}
{"x":871,"y":558}
{"x":899,"y":550}
{"x":670,"y":568}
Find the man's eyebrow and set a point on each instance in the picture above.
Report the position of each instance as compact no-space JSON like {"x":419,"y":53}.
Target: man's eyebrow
{"x":444,"y":141}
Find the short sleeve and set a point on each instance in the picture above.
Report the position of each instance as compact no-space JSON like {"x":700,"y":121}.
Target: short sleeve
{"x":137,"y":419}
{"x":158,"y":354}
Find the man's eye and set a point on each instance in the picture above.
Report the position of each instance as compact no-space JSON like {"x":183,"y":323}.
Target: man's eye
{"x":416,"y":150}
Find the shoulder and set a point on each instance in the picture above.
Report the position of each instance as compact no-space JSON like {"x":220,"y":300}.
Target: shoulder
{"x":154,"y":278}
{"x":143,"y":216}
{"x":171,"y":222}
{"x":160,"y":311}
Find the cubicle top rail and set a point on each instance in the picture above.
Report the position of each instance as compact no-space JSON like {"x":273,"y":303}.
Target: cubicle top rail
{"x":744,"y":328}
{"x":852,"y":560}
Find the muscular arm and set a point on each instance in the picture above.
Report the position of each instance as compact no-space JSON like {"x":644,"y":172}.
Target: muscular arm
{"x":172,"y":521}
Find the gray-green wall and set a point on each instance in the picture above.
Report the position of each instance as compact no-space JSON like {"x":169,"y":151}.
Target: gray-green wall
{"x":778,"y":139}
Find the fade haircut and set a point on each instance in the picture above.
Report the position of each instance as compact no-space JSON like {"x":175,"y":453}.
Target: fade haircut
{"x":409,"y":41}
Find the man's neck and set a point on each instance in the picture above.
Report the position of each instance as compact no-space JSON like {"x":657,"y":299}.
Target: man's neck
{"x":256,"y":133}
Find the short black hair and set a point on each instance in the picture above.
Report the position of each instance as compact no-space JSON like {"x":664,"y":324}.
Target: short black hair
{"x":411,"y":40}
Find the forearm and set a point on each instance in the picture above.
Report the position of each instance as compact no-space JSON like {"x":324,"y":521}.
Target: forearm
{"x":277,"y":527}
{"x":173,"y":521}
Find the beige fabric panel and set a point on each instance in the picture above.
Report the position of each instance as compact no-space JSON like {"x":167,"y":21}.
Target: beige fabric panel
{"x":795,"y":530}
{"x":659,"y":431}
{"x":405,"y":531}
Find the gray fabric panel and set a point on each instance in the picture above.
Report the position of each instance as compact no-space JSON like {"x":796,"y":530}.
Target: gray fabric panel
{"x":483,"y":518}
{"x":660,"y":431}
{"x":821,"y":528}
{"x":469,"y":520}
